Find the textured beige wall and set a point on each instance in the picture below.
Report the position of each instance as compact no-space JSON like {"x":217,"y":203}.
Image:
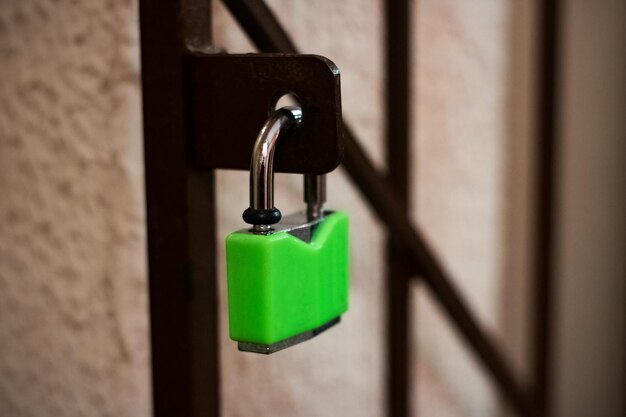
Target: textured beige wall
{"x":73,"y":318}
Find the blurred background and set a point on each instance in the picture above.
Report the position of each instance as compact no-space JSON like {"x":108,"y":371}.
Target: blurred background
{"x":74,"y":323}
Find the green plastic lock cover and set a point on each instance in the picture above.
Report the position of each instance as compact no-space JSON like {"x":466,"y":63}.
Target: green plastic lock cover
{"x":280,"y":286}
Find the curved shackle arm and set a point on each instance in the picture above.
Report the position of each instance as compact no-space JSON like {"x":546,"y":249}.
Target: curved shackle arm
{"x":262,"y":212}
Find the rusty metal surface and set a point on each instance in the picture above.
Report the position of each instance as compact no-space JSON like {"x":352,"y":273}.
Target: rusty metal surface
{"x":230,"y":97}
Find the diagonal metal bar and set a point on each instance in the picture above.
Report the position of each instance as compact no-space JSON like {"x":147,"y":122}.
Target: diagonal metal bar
{"x":377,"y":192}
{"x":265,"y":31}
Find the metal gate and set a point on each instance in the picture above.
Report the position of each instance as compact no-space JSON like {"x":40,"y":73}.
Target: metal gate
{"x":181,"y":212}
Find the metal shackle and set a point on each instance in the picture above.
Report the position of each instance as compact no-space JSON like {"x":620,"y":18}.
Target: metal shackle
{"x":314,"y":196}
{"x":262,"y":213}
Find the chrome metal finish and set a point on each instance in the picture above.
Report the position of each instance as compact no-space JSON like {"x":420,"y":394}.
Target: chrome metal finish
{"x":261,"y":228}
{"x":261,"y":166}
{"x":314,"y":195}
{"x":296,"y":224}
{"x":284,"y":344}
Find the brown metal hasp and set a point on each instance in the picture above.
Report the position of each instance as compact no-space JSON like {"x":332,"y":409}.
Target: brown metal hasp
{"x":232,"y":95}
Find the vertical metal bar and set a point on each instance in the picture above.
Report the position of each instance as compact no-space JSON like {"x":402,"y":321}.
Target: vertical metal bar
{"x":180,"y":222}
{"x":548,"y":49}
{"x":202,"y":272}
{"x":399,"y":271}
{"x":167,"y":242}
{"x":205,"y":395}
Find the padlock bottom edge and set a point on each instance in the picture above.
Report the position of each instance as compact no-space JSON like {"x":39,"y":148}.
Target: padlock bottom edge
{"x":290,"y":341}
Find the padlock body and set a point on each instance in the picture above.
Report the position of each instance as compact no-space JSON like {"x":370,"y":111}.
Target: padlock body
{"x":280,"y":286}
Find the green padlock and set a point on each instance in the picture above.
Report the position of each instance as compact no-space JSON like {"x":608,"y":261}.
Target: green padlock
{"x":288,"y":282}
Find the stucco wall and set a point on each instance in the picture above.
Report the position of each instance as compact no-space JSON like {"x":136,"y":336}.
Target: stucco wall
{"x":73,"y":310}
